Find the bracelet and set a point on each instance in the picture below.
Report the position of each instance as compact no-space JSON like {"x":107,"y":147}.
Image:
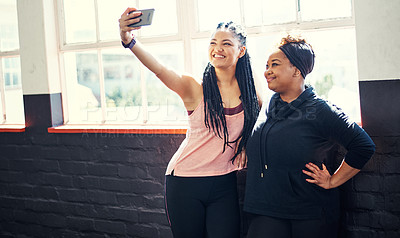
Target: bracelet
{"x":130,"y":45}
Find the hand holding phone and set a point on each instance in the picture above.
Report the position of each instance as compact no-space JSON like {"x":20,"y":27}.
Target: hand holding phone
{"x":145,"y":19}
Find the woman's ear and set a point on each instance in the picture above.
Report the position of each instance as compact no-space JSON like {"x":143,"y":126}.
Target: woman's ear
{"x":242,"y":51}
{"x":297,"y":72}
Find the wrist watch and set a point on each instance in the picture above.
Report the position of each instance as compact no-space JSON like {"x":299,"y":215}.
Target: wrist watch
{"x":130,"y":44}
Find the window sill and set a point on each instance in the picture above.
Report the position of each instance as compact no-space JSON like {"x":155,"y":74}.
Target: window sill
{"x":118,"y":129}
{"x":12,"y":128}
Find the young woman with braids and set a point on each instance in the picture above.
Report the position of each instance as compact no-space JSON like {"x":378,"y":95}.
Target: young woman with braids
{"x":289,"y":190}
{"x":201,"y":196}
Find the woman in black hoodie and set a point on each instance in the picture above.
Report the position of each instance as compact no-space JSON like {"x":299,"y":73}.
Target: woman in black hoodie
{"x":289,"y":190}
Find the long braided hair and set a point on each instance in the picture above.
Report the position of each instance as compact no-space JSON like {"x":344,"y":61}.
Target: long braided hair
{"x":214,"y":110}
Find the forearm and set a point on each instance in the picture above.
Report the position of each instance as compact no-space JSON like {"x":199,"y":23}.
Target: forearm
{"x":180,"y":84}
{"x":342,"y":175}
{"x":147,"y":59}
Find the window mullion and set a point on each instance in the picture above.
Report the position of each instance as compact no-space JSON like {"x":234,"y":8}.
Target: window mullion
{"x":144,"y":94}
{"x":2,"y":91}
{"x":96,"y":15}
{"x":242,"y":17}
{"x":103,"y":102}
{"x":9,"y":53}
{"x":102,"y":87}
{"x":195,"y":16}
{"x":64,"y":87}
{"x":61,"y":31}
{"x":143,"y":88}
{"x":61,"y":24}
{"x":185,"y":10}
{"x":298,"y":11}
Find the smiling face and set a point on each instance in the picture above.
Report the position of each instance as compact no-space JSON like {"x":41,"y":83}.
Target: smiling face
{"x":280,"y":73}
{"x":224,"y":50}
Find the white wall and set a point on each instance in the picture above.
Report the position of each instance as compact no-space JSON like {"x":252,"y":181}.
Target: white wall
{"x":378,"y":34}
{"x":38,"y":47}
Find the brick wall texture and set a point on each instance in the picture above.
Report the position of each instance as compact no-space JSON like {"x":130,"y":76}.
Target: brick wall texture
{"x":371,"y":200}
{"x":111,"y":185}
{"x":84,"y":185}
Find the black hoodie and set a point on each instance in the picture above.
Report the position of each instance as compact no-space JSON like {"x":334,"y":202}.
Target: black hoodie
{"x":293,"y":135}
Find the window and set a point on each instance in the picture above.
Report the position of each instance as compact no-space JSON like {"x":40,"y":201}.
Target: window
{"x":325,"y":9}
{"x":269,"y":12}
{"x":11,"y":99}
{"x":104,"y":83}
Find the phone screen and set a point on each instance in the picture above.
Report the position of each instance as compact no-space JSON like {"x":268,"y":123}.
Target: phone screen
{"x":145,"y":19}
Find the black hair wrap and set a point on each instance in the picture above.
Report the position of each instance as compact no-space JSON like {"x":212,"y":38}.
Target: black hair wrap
{"x":301,"y":55}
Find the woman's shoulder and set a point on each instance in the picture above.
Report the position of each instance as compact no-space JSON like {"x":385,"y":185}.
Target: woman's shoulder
{"x":194,"y":92}
{"x":330,"y":114}
{"x":191,"y":80}
{"x":328,"y":106}
{"x":321,"y":104}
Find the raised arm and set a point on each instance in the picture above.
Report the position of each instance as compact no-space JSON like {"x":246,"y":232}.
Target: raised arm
{"x":184,"y":85}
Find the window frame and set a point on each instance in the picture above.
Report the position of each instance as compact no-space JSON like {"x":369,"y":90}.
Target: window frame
{"x":187,"y":17}
{"x":5,"y":125}
{"x":3,"y":55}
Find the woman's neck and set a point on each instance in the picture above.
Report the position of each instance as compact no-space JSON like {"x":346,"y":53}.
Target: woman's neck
{"x":225,"y":76}
{"x":291,"y":95}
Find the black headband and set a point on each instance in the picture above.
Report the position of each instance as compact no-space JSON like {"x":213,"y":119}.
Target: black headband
{"x":301,"y":55}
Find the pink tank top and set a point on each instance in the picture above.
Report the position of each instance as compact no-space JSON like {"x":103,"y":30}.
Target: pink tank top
{"x":200,"y":154}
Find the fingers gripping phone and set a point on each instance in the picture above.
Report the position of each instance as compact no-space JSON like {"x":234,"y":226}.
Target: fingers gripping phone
{"x":145,"y":19}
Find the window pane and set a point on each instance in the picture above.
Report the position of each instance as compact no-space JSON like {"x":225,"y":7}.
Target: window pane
{"x":282,"y":11}
{"x":12,"y":72}
{"x":212,"y":12}
{"x":83,"y":87}
{"x":335,"y":75}
{"x":200,"y":57}
{"x":165,"y":20}
{"x":324,"y":9}
{"x":8,"y":25}
{"x":259,"y":49}
{"x":13,"y":95}
{"x":109,"y":13}
{"x":122,"y":86}
{"x":164,"y":105}
{"x":253,"y":13}
{"x":268,"y":12}
{"x":80,"y":23}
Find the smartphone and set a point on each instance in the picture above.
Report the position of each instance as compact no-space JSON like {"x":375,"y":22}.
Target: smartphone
{"x":145,"y":19}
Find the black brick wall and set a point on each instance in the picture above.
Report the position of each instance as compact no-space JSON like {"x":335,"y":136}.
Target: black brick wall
{"x":84,"y":185}
{"x":371,"y":200}
{"x":111,"y":185}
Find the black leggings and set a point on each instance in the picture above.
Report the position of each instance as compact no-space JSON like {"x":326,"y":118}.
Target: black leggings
{"x":265,"y":227}
{"x":199,"y":207}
